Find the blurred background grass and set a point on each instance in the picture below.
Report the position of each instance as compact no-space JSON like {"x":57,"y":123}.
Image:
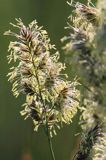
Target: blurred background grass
{"x":18,"y":141}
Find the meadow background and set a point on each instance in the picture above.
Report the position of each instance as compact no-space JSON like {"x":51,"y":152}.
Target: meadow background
{"x":18,"y":141}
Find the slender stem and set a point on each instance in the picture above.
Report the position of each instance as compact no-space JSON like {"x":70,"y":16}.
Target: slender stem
{"x":86,"y":87}
{"x":47,"y":128}
{"x":50,"y":145}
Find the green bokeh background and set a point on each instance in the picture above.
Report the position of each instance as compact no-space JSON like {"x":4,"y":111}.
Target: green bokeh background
{"x":16,"y":135}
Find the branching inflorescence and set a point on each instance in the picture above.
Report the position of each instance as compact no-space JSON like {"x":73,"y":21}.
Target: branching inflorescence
{"x":50,"y":98}
{"x":87,"y":44}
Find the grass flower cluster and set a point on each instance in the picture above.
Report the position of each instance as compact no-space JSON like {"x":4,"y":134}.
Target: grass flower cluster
{"x":50,"y":98}
{"x":86,"y":44}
